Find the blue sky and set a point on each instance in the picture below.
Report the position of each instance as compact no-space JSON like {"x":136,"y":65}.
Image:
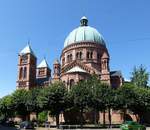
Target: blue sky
{"x":124,"y":24}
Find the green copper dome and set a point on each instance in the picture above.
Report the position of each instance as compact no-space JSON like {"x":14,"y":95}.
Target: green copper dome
{"x":84,"y":33}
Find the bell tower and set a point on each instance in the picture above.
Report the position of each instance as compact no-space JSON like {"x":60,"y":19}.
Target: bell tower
{"x":26,"y":69}
{"x":105,"y":71}
{"x":43,"y":73}
{"x":56,"y":68}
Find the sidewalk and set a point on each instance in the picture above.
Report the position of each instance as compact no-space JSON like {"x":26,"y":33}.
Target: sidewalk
{"x":76,"y":129}
{"x":148,"y":128}
{"x":41,"y":128}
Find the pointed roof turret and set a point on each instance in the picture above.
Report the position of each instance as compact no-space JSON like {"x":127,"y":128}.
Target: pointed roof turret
{"x":56,"y":61}
{"x":43,"y":64}
{"x":27,"y":50}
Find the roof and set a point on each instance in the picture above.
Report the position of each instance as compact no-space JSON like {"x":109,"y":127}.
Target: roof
{"x":115,"y":73}
{"x":84,"y":33}
{"x":27,"y":50}
{"x":76,"y":69}
{"x":56,"y":61}
{"x":83,"y":17}
{"x":43,"y":64}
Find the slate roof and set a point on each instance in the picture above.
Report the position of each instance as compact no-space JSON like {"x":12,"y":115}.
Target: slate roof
{"x":43,"y":64}
{"x":27,"y":50}
{"x":115,"y":73}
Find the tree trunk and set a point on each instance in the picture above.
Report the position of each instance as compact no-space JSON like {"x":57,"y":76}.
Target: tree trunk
{"x":109,"y":117}
{"x":124,"y":114}
{"x":57,"y":120}
{"x":27,"y":117}
{"x":104,"y":122}
{"x":141,"y":118}
{"x":81,"y":118}
{"x":95,"y":113}
{"x":37,"y":113}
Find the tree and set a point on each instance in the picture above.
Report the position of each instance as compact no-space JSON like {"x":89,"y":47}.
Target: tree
{"x":133,"y":98}
{"x":6,"y":106}
{"x":82,"y":97}
{"x":32,"y":101}
{"x":93,"y":94}
{"x":52,"y":99}
{"x":105,"y":99}
{"x":96,"y":88}
{"x":141,"y":102}
{"x":126,"y":98}
{"x":140,"y":76}
{"x":42,"y":116}
{"x":19,"y":98}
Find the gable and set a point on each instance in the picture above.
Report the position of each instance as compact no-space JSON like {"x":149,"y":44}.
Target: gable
{"x":77,"y":66}
{"x":76,"y":69}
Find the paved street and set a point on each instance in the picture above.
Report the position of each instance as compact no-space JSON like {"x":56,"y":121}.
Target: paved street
{"x":8,"y":128}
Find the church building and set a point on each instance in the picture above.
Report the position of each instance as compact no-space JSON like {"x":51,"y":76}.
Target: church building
{"x":84,"y":53}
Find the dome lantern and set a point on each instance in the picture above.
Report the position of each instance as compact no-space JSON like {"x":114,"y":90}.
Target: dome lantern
{"x":84,"y":21}
{"x":84,"y":33}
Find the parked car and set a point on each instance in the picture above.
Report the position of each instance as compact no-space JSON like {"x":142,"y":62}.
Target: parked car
{"x":10,"y":123}
{"x":132,"y":125}
{"x":26,"y":125}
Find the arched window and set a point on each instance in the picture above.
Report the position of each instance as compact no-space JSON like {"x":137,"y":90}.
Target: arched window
{"x":91,"y":55}
{"x":71,"y":82}
{"x":104,"y":64}
{"x":20,"y":73}
{"x":80,"y":55}
{"x":98,"y":56}
{"x":63,"y":61}
{"x":77,"y":55}
{"x":64,"y":82}
{"x":55,"y":70}
{"x":88,"y":55}
{"x":25,"y":72}
{"x":70,"y":57}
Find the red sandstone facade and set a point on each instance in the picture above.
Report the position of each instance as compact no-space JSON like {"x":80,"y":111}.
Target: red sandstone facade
{"x":92,"y":58}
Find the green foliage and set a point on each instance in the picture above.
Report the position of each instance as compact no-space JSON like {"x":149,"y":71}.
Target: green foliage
{"x":52,"y":98}
{"x":6,"y":107}
{"x":42,"y":116}
{"x":141,"y":102}
{"x":140,"y":76}
{"x":20,"y":98}
{"x":126,"y":96}
{"x":134,"y":98}
{"x":32,"y":100}
{"x":88,"y":94}
{"x":81,"y":95}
